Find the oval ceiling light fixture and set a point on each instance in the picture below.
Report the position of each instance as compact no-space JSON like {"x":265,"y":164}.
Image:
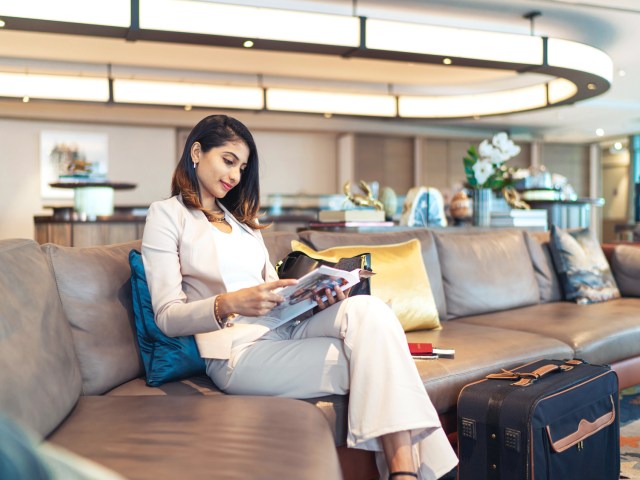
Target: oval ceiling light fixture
{"x":53,"y":87}
{"x":101,"y":17}
{"x":229,"y":25}
{"x":581,"y":71}
{"x":341,"y":103}
{"x":576,"y":71}
{"x":186,"y":93}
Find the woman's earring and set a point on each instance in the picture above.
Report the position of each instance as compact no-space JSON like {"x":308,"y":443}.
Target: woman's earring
{"x":194,"y":164}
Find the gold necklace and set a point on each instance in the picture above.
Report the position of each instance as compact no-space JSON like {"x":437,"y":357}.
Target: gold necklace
{"x":218,"y":217}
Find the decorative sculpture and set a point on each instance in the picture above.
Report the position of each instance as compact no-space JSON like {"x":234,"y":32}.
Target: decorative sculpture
{"x":513,"y":198}
{"x":423,"y":206}
{"x":364,"y":199}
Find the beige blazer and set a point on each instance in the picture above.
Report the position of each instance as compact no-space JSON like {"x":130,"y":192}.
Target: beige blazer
{"x":181,"y":264}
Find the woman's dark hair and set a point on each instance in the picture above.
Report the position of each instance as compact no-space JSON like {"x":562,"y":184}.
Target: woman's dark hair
{"x":243,"y":201}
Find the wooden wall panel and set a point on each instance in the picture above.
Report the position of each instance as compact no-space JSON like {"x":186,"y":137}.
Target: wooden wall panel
{"x":386,"y":159}
{"x":569,"y":160}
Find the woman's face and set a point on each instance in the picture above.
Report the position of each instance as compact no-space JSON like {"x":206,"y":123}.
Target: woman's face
{"x":219,"y":170}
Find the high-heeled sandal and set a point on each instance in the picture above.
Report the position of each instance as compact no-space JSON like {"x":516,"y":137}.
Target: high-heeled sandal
{"x":398,"y":474}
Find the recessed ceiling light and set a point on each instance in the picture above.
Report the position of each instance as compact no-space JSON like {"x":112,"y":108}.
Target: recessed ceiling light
{"x":622,"y":73}
{"x":599,"y":132}
{"x":25,"y":99}
{"x":617,"y":146}
{"x":328,"y":115}
{"x":2,"y":24}
{"x":447,"y":61}
{"x":187,"y":108}
{"x":247,"y":44}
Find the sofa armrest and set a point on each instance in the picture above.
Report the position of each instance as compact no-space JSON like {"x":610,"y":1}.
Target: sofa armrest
{"x":625,"y":265}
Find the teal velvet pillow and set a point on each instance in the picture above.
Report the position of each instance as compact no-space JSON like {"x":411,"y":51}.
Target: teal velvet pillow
{"x":583,"y":269}
{"x":165,"y":359}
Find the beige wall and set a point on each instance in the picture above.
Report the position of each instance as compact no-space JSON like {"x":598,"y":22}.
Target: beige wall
{"x":615,"y":178}
{"x":615,"y":190}
{"x":297,"y":162}
{"x":142,"y":155}
{"x":293,"y":161}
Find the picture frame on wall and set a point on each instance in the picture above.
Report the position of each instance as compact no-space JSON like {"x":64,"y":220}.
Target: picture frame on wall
{"x":71,"y":157}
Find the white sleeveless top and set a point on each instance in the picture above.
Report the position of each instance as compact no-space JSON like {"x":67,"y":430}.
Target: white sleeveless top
{"x":241,"y":258}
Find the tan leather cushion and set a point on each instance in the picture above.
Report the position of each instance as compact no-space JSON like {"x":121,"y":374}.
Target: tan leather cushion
{"x":486,"y":272}
{"x":95,"y":290}
{"x":400,"y":279}
{"x":39,"y":375}
{"x":175,"y":437}
{"x":323,"y":240}
{"x":200,"y":385}
{"x":548,"y":281}
{"x":599,"y":333}
{"x":480,"y":350}
{"x":625,"y":263}
{"x":333,"y":407}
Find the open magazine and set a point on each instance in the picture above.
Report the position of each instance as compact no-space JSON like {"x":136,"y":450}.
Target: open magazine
{"x":300,"y":297}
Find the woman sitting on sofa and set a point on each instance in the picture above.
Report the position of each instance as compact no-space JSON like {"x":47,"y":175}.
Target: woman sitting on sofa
{"x":206,"y":263}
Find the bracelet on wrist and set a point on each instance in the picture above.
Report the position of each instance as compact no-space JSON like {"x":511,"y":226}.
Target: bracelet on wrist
{"x":216,"y":312}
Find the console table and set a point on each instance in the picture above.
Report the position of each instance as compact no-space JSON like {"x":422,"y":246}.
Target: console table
{"x":568,"y":213}
{"x":67,"y":227}
{"x":93,"y":199}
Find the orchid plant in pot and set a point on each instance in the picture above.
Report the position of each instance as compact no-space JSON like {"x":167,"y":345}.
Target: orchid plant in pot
{"x":486,"y":172}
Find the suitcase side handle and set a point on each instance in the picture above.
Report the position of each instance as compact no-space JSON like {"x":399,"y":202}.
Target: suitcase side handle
{"x":524,"y":379}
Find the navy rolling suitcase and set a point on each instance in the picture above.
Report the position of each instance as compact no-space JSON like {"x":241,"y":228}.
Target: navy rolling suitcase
{"x":547,"y":420}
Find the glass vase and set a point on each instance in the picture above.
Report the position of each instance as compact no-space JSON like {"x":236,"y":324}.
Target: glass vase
{"x":482,"y":207}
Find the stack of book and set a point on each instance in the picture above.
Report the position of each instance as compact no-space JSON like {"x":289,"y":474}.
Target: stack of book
{"x":541,"y":195}
{"x":520,"y":218}
{"x":357,"y":217}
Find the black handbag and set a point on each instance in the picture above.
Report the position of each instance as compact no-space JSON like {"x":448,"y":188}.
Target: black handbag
{"x":297,"y":264}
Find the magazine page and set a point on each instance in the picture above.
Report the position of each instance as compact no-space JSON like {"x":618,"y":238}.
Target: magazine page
{"x":300,"y":297}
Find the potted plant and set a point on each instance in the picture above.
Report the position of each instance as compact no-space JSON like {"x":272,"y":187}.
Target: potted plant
{"x":486,"y":172}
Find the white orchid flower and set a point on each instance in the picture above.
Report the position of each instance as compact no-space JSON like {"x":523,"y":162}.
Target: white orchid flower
{"x":513,"y":149}
{"x":482,"y":170}
{"x":500,"y":140}
{"x":487,"y":151}
{"x":505,"y":146}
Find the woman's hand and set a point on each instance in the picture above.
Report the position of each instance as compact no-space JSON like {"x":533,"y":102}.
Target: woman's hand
{"x":253,"y":301}
{"x":331,"y":299}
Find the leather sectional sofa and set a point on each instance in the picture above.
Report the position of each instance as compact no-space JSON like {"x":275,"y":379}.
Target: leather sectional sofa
{"x":72,"y":371}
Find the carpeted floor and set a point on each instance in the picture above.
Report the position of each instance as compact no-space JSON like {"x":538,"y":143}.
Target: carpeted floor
{"x":630,"y":433}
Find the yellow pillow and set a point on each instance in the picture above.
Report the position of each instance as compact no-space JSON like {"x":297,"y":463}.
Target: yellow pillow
{"x":400,"y":281}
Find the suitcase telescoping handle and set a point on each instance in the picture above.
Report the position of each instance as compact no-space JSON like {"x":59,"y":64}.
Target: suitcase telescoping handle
{"x":524,"y":379}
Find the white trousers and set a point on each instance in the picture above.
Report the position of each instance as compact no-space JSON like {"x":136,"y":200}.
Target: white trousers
{"x":356,"y":346}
